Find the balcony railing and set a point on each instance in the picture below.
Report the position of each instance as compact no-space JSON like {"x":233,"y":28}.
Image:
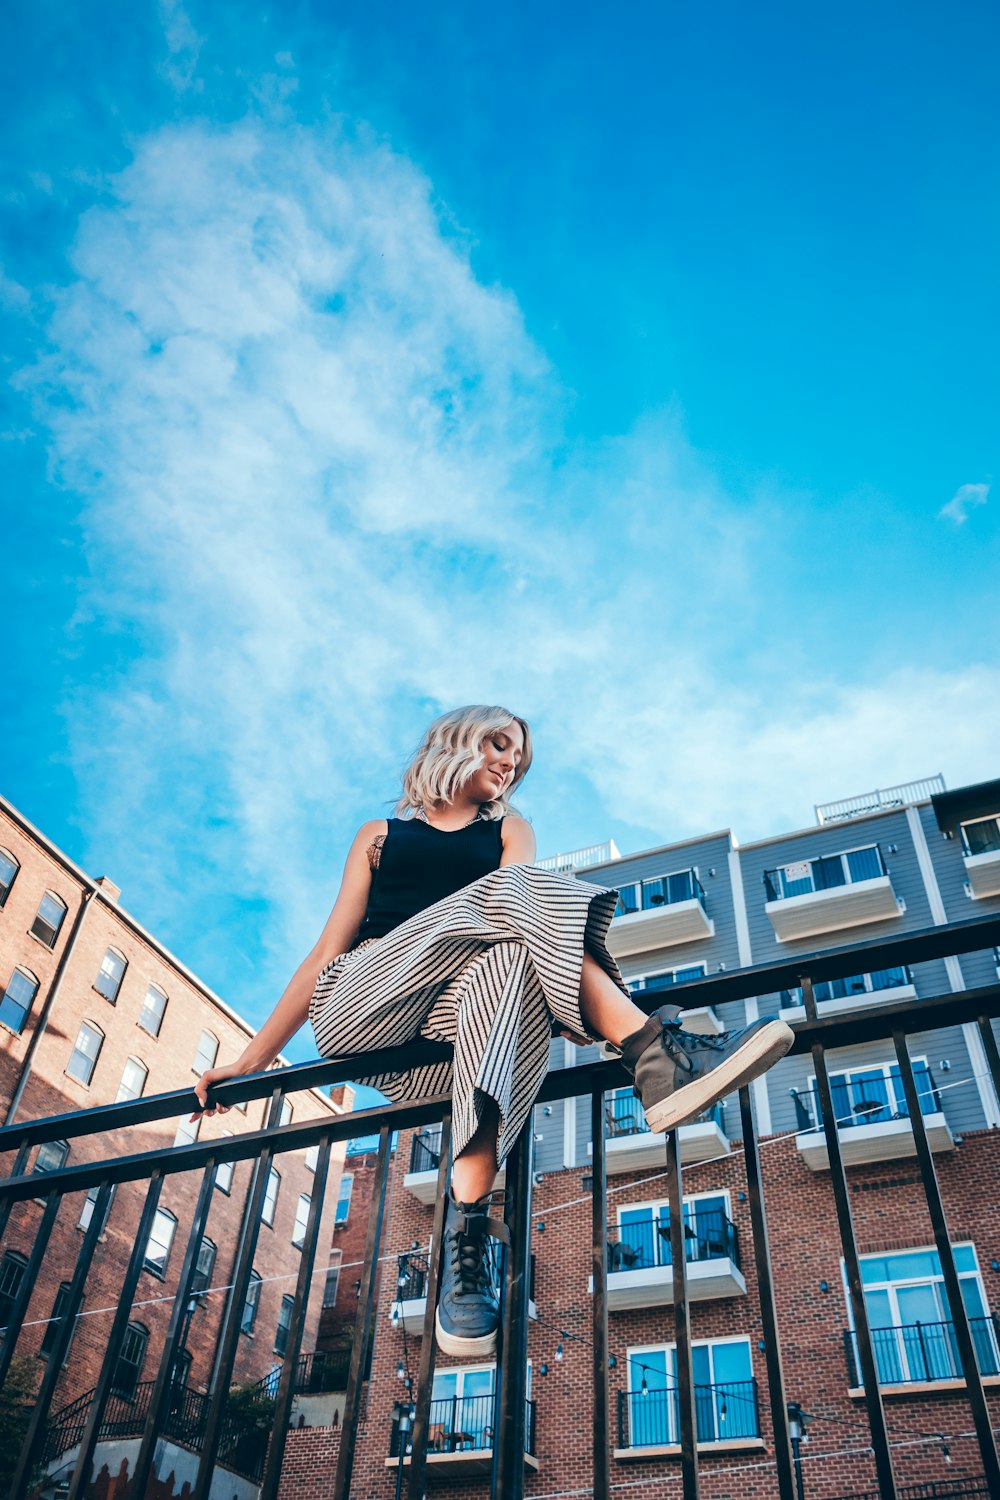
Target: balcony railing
{"x":908,"y":1353}
{"x":663,"y":890}
{"x":642,"y":1244}
{"x":425,"y":1153}
{"x":650,"y":1418}
{"x":855,"y":986}
{"x":869,"y":1098}
{"x":824,"y":874}
{"x":322,"y":1371}
{"x":946,"y":1489}
{"x":624,"y":1116}
{"x":463,"y":1424}
{"x":688,"y":1412}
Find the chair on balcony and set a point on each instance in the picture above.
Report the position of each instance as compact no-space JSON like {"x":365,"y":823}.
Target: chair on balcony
{"x":622,"y":1257}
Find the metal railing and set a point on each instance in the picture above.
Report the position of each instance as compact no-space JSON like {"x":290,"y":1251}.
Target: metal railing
{"x":892,"y":1023}
{"x":463,"y":1424}
{"x":581,"y":859}
{"x":946,"y":1489}
{"x":919,"y":1352}
{"x":871,"y":1098}
{"x":854,"y":987}
{"x":723,"y":1413}
{"x":903,"y":795}
{"x":826,"y":872}
{"x":425,"y":1153}
{"x":659,"y":890}
{"x":644,"y":1243}
{"x":322,"y":1371}
{"x":623,"y":1115}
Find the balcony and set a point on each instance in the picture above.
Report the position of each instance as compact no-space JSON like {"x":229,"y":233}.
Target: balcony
{"x":981,"y":841}
{"x":640,"y":1260}
{"x":632,"y":1147}
{"x":945,"y":1489}
{"x":726,"y":1417}
{"x":884,"y":987}
{"x":925,"y":1353}
{"x":873,"y":1122}
{"x":659,"y":913}
{"x":460,"y":1433}
{"x":702,"y":1019}
{"x":814,"y":896}
{"x":411,"y":1304}
{"x":425,"y":1156}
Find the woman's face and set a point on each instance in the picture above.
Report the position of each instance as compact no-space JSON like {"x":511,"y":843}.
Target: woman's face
{"x":502,"y":752}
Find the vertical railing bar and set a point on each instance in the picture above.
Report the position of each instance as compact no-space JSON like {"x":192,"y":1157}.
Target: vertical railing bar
{"x":949,"y":1270}
{"x":510,"y":1387}
{"x":992,"y":1052}
{"x":57,"y":1353}
{"x":425,"y":1377}
{"x":852,"y":1265}
{"x":232,"y":1317}
{"x":102,"y":1391}
{"x":286,"y":1383}
{"x":363,"y":1322}
{"x":29,"y":1279}
{"x":20,"y":1162}
{"x":768,"y":1311}
{"x":165,"y":1371}
{"x":599,"y":1264}
{"x":685,"y":1366}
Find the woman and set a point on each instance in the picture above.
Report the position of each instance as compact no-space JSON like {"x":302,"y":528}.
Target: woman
{"x":444,"y":929}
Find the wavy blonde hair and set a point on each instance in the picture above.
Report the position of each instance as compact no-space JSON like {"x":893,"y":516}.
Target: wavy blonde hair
{"x":451,"y":753}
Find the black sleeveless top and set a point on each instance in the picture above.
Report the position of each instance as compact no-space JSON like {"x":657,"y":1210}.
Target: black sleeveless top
{"x":420,"y":864}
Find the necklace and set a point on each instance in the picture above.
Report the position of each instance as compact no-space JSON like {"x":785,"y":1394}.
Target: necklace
{"x":422,"y":814}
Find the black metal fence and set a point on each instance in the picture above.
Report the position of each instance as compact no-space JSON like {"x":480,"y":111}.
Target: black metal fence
{"x":641,"y":1242}
{"x":651,"y":1417}
{"x":623,"y":1113}
{"x":463,"y":1424}
{"x":919,"y":1352}
{"x":513,"y":1427}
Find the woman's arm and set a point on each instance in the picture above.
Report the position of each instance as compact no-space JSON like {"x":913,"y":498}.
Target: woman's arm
{"x":293,"y":1007}
{"x":518,"y":841}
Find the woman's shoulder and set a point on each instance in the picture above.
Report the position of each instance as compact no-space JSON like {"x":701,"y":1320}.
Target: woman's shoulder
{"x":518,"y":837}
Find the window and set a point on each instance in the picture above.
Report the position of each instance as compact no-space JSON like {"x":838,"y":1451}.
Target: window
{"x":285,"y":1116}
{"x":133,"y":1080}
{"x":52,"y":1327}
{"x":110,"y":975}
{"x":51,"y":1156}
{"x":48,"y":919}
{"x":128,"y":1370}
{"x":661,"y":890}
{"x":301,"y":1220}
{"x":8,"y":874}
{"x":270,"y":1197}
{"x":18,"y":999}
{"x":224,"y":1172}
{"x":344,"y":1198}
{"x":874,"y":1095}
{"x":153,"y":1008}
{"x":981,"y":837}
{"x":84,"y":1057}
{"x":911,"y":1324}
{"x":725,"y":1393}
{"x":312,"y":1158}
{"x":206,"y":1265}
{"x":331,"y":1284}
{"x":806,"y":876}
{"x":667,"y":981}
{"x":11,"y":1274}
{"x":462,"y":1400}
{"x":161,"y":1237}
{"x":284,"y":1325}
{"x":208,"y":1051}
{"x":87,"y":1211}
{"x":644,"y":1233}
{"x":251,"y":1304}
{"x":187,"y":1132}
{"x":857,"y":984}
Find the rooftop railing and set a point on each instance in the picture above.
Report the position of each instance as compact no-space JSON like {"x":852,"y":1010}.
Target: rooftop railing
{"x":890,"y":1024}
{"x":903,"y":795}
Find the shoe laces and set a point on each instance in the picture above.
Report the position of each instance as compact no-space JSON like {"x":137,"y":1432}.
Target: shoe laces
{"x":473,"y":1261}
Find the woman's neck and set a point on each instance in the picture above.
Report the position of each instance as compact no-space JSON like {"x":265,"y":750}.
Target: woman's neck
{"x":451,"y":816}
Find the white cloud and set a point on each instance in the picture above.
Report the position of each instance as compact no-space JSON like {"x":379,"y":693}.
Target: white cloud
{"x":965,"y":499}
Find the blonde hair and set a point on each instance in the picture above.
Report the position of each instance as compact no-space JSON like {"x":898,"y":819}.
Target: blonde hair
{"x":451,"y":753}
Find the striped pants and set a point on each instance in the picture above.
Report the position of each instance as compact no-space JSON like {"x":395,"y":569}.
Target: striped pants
{"x":486,"y":969}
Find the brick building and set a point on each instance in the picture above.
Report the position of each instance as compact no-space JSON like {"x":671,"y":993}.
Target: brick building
{"x":94,"y":1010}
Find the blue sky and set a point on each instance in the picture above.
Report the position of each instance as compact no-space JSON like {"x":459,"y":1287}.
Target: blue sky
{"x":635,"y":367}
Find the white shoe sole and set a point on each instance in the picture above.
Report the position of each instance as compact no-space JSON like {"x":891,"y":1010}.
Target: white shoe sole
{"x":757,"y":1054}
{"x":451,"y":1343}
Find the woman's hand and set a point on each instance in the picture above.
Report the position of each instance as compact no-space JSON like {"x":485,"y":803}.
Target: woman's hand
{"x":205,"y":1082}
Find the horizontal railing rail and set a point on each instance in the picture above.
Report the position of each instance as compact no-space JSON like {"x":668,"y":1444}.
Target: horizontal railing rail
{"x":651,"y":1417}
{"x":643,"y":1243}
{"x":915,"y":1353}
{"x":892,"y":1023}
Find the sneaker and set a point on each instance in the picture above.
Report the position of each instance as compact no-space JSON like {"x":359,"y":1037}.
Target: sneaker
{"x":468,"y":1312}
{"x":679,"y":1074}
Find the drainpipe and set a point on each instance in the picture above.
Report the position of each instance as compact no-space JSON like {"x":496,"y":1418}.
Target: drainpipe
{"x":43,"y":1019}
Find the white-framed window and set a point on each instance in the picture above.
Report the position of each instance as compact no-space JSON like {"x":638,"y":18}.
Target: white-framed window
{"x":301,"y":1220}
{"x":251,"y":1303}
{"x":644,"y":1232}
{"x":312,"y":1158}
{"x":725,"y":1392}
{"x":205,"y":1267}
{"x":224,"y":1173}
{"x":982,"y":836}
{"x":161,"y":1238}
{"x":824,"y":873}
{"x":208,"y":1051}
{"x":110,"y":974}
{"x":463,"y":1400}
{"x":9,"y":867}
{"x":284,"y":1327}
{"x":873,"y":1094}
{"x":910,"y":1320}
{"x":855,"y":985}
{"x":153,"y":1010}
{"x":287,"y":1112}
{"x":187,"y":1131}
{"x":133,"y":1081}
{"x":332,"y":1281}
{"x":344,"y":1198}
{"x":659,"y":890}
{"x":18,"y":998}
{"x":83,"y":1058}
{"x":270,"y":1197}
{"x":666,"y":979}
{"x":48,"y":919}
{"x":87,"y":1211}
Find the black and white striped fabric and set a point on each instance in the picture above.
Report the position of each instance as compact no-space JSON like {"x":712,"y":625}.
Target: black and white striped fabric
{"x":486,"y":969}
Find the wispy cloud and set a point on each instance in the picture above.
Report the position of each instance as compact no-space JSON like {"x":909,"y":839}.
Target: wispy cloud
{"x":965,"y":499}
